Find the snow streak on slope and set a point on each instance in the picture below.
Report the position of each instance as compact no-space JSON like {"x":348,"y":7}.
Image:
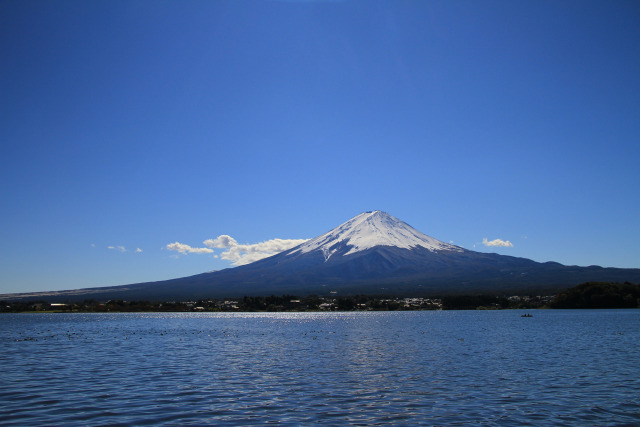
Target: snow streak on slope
{"x":371,"y":229}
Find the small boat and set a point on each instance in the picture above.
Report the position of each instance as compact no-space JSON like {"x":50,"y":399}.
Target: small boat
{"x":527,"y":315}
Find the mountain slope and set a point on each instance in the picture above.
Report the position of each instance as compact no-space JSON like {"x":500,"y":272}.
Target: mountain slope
{"x":372,"y":253}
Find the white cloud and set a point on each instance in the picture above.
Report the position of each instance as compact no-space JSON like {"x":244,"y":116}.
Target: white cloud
{"x":496,"y":242}
{"x":186,"y":249}
{"x":238,"y":254}
{"x":248,"y":253}
{"x":138,"y":250}
{"x":117,"y":248}
{"x":222,"y":241}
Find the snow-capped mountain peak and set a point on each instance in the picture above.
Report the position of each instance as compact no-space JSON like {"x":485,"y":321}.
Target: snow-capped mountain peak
{"x":371,"y":229}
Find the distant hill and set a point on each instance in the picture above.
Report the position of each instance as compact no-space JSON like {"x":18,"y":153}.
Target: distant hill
{"x":373,"y":253}
{"x":599,"y":295}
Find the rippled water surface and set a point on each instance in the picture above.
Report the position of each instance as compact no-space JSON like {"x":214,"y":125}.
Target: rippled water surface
{"x":482,"y":367}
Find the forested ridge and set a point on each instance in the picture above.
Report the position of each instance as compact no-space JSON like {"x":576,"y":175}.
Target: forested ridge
{"x":599,"y":295}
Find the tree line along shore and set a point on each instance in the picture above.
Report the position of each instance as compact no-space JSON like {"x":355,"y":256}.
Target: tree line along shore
{"x":585,"y":296}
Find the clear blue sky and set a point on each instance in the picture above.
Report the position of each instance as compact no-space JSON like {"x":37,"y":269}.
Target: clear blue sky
{"x":138,"y":124}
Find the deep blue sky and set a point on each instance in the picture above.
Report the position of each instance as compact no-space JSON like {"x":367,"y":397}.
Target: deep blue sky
{"x":144,"y":123}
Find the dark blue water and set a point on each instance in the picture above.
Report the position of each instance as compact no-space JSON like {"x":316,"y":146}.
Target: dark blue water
{"x":432,"y":368}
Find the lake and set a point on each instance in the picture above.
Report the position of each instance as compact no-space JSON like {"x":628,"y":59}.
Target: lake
{"x":578,"y":367}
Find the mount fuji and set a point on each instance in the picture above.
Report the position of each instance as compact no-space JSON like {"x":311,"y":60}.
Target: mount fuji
{"x":372,"y":253}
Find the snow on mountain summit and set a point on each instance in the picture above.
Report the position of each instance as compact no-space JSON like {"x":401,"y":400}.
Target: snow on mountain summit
{"x":370,"y":229}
